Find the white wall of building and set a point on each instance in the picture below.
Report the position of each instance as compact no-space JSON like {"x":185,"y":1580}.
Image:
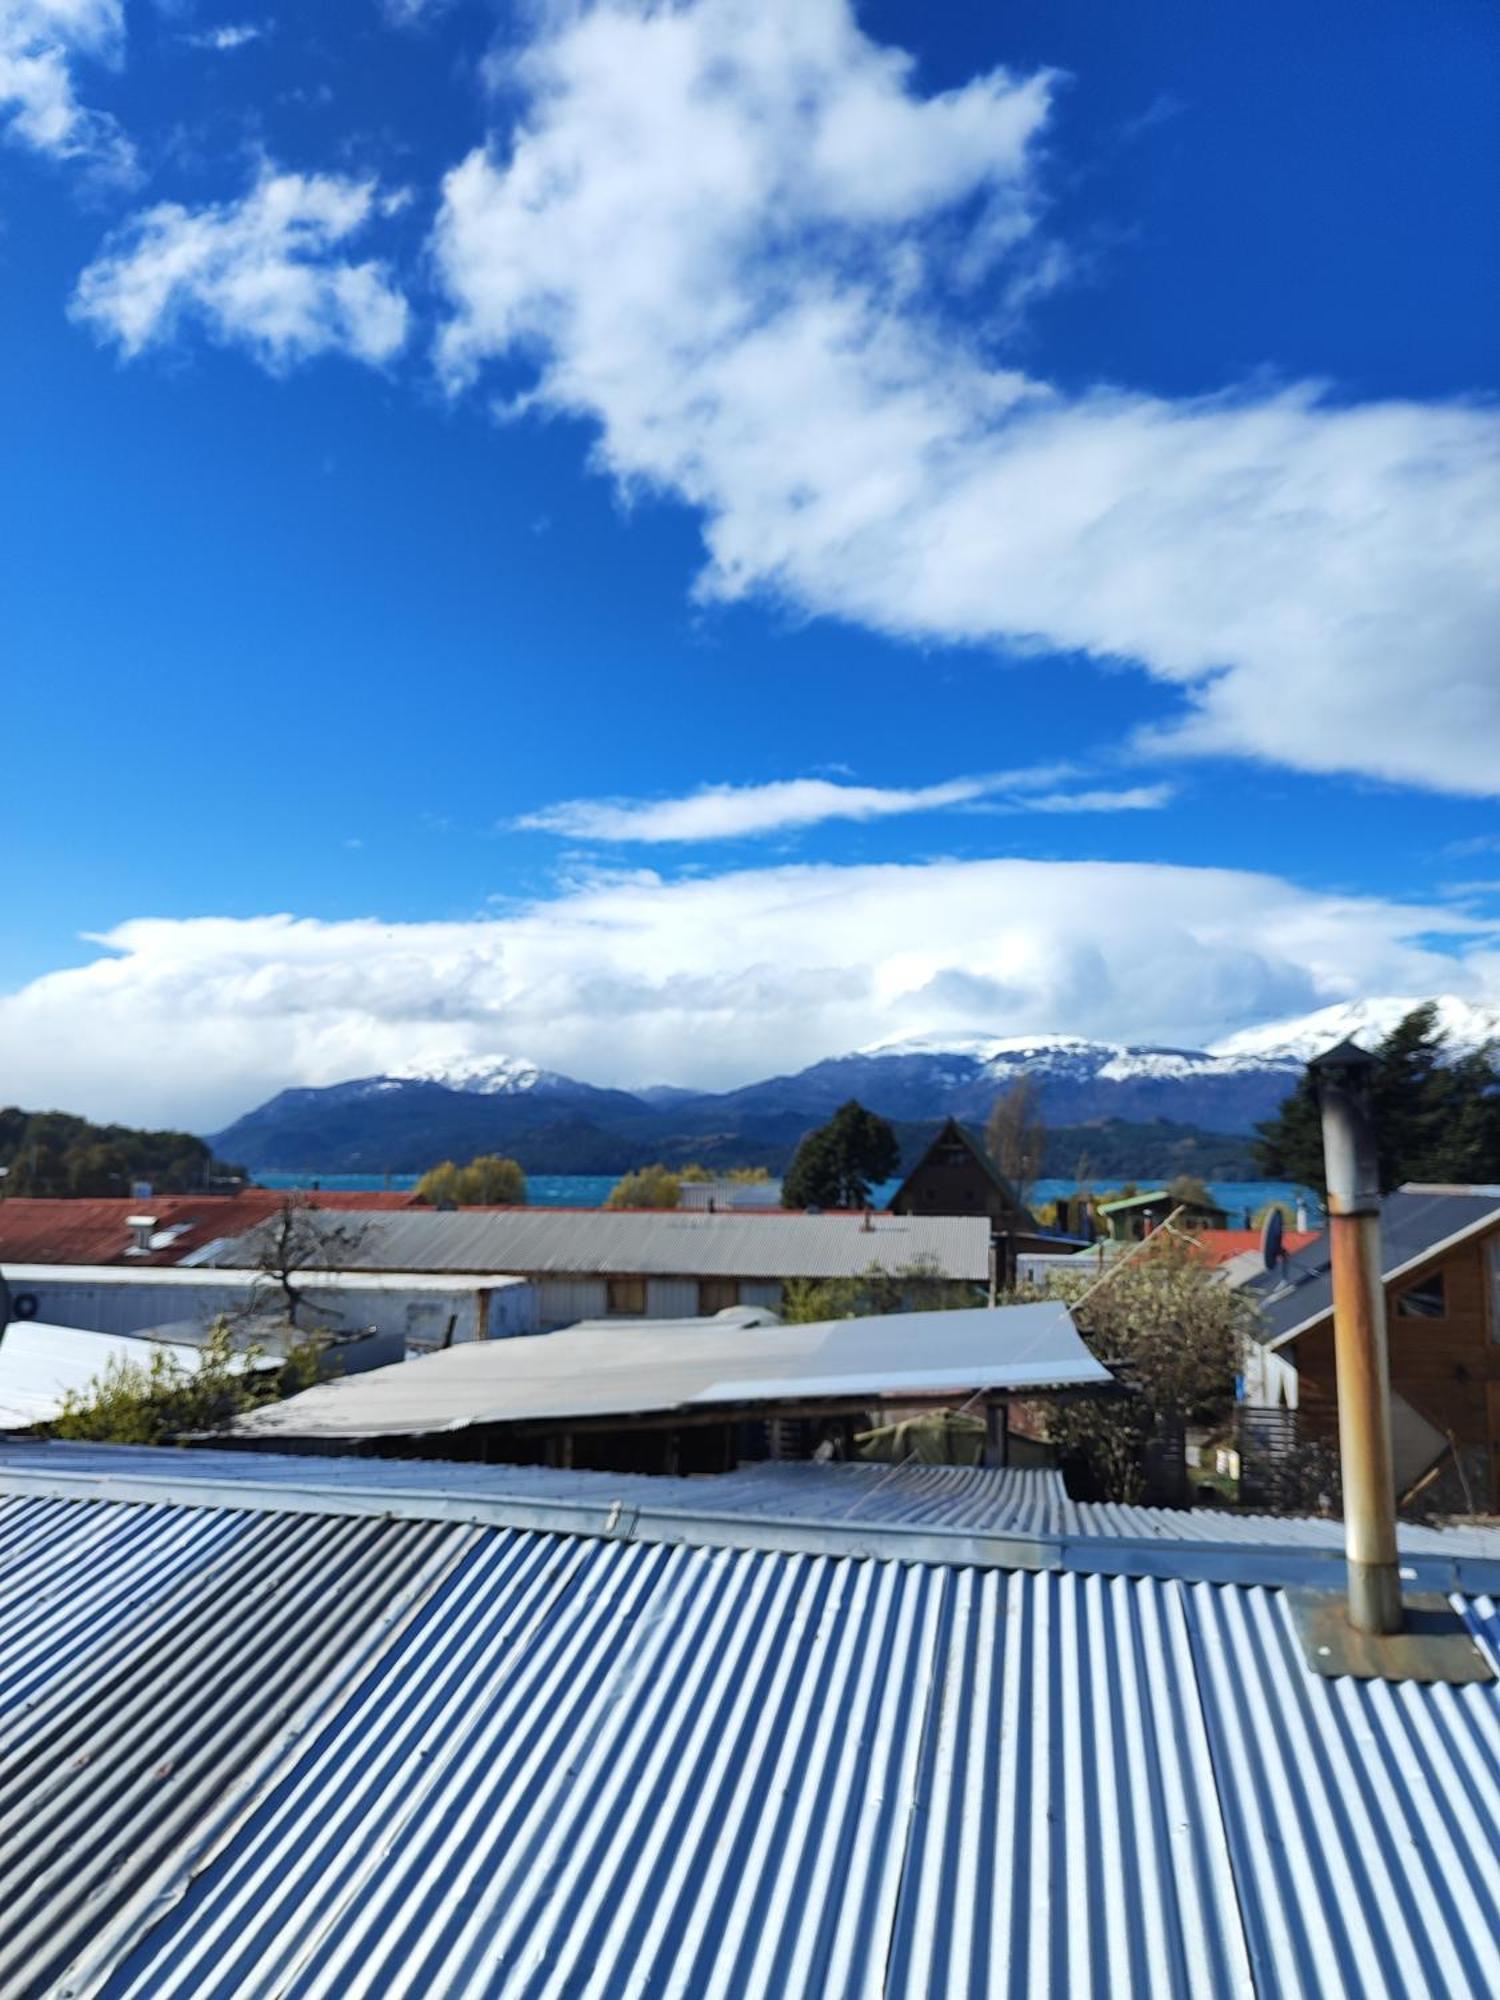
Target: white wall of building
{"x":565,"y":1301}
{"x":425,"y":1312}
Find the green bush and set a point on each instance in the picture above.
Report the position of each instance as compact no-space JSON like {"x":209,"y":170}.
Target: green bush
{"x":486,"y":1182}
{"x":159,"y":1401}
{"x":648,"y":1187}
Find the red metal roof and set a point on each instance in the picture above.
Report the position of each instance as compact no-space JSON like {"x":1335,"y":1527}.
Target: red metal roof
{"x":36,"y":1231}
{"x":1219,"y":1245}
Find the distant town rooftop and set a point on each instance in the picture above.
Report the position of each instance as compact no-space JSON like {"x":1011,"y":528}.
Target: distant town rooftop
{"x":538,"y":1242}
{"x":153,"y":1229}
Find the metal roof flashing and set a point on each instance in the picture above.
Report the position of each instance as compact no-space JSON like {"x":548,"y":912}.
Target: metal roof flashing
{"x":596,"y":1513}
{"x":1434,"y":1645}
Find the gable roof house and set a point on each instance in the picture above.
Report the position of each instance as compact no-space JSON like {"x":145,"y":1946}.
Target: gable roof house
{"x":1440,"y":1256}
{"x":955,"y":1176}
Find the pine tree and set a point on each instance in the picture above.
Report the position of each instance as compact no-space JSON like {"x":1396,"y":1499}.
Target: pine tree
{"x":836,"y":1165}
{"x":1434,"y":1120}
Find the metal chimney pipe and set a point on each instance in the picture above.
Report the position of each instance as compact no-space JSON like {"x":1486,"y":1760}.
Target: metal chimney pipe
{"x":1342,"y":1078}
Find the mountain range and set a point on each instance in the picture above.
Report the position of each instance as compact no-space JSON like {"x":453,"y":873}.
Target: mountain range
{"x":1171,"y":1107}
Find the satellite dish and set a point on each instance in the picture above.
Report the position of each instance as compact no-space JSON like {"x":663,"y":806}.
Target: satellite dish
{"x":1271,"y":1232}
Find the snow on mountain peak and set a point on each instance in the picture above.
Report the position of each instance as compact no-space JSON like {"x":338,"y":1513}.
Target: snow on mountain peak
{"x":1466,"y":1024}
{"x":1069,"y":1055}
{"x":482,"y":1076}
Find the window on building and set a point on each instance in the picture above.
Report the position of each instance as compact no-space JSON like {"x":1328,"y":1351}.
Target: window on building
{"x":626,"y":1295}
{"x":1427,"y":1299}
{"x":1495,"y":1288}
{"x":716,"y":1295}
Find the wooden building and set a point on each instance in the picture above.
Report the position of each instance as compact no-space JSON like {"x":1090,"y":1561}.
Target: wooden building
{"x":955,"y":1177}
{"x":1132,"y":1217}
{"x":1440,"y":1254}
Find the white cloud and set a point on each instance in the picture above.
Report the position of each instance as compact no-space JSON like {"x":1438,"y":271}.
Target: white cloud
{"x":269,"y":272}
{"x":733,"y":812}
{"x":732,"y":234}
{"x":710,"y":981}
{"x":222,"y":41}
{"x":728,"y":812}
{"x":1133,"y":798}
{"x":41,"y":44}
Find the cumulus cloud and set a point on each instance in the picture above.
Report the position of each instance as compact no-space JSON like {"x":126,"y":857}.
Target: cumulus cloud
{"x":42,"y":43}
{"x":270,"y":272}
{"x":734,"y":812}
{"x":710,"y":981}
{"x":739,"y":238}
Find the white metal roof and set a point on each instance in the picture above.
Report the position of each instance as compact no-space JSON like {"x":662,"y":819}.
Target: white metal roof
{"x":40,"y":1364}
{"x":567,"y":1242}
{"x":622,"y":1368}
{"x":492,"y":1761}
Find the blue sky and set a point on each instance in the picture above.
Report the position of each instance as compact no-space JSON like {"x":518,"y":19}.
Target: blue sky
{"x":1042,"y":489}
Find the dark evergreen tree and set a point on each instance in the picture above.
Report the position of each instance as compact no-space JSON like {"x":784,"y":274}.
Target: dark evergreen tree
{"x":836,"y":1165}
{"x":55,"y":1153}
{"x":1435,"y":1120}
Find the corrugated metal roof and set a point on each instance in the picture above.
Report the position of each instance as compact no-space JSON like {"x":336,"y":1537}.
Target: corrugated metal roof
{"x":1220,"y":1246}
{"x":1414,"y":1222}
{"x":654,"y":1366}
{"x":479,"y":1762}
{"x":961,"y":1513}
{"x":37,"y":1229}
{"x":150,"y":1659}
{"x":539,"y":1242}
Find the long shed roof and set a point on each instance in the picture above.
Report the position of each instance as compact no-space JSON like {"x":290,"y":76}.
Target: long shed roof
{"x":496,"y":1761}
{"x":629,"y":1368}
{"x":560,"y":1242}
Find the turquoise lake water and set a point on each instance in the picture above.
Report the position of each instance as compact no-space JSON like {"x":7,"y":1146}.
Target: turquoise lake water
{"x":1240,"y":1199}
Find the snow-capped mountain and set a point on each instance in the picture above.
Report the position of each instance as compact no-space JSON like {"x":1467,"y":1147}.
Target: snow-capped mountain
{"x":1072,"y":1057}
{"x":487,"y":1076}
{"x":557,"y":1124}
{"x":1466,"y":1024}
{"x":1078,"y":1080}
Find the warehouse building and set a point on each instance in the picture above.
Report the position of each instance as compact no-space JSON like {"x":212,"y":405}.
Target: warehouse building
{"x":587,"y":1264}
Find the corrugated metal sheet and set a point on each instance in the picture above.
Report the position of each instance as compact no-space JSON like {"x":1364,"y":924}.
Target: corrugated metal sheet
{"x":577,"y":1767}
{"x":150,"y":1658}
{"x":961,"y":1500}
{"x":606,"y":1370}
{"x":560,"y":1242}
{"x":43,"y":1230}
{"x":1214,"y":1524}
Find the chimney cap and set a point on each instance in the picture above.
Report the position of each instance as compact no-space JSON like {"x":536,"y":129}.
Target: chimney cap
{"x":1347,"y":1055}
